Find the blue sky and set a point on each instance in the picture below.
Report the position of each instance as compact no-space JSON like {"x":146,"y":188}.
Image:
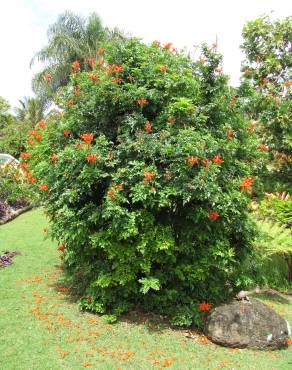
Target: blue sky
{"x":24,"y":23}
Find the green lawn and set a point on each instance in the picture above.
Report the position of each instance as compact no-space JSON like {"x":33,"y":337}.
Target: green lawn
{"x":41,"y":329}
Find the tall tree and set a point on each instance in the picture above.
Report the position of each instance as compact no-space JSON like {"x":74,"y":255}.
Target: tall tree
{"x":70,"y":38}
{"x":267,"y":80}
{"x":32,"y":110}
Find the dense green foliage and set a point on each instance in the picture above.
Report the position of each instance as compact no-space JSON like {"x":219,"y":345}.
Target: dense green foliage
{"x":14,"y":129}
{"x":146,"y":178}
{"x":267,"y":84}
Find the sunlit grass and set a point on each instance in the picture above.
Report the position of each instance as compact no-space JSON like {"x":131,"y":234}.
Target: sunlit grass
{"x":41,"y":329}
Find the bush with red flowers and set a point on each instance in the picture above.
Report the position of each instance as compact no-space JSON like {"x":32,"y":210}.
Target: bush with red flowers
{"x":146,"y":178}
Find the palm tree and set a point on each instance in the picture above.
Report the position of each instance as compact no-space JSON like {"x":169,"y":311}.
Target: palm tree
{"x":32,"y":110}
{"x":70,"y":38}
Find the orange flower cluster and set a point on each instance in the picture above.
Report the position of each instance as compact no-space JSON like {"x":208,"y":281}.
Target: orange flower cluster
{"x":30,"y":141}
{"x":202,"y":59}
{"x":91,"y":61}
{"x":232,"y":101}
{"x":114,"y":68}
{"x":53,"y":157}
{"x":205,"y":306}
{"x":217,"y":159}
{"x":43,"y":187}
{"x":206,"y":162}
{"x":23,"y":165}
{"x":87,"y":138}
{"x":218,"y":69}
{"x":142,"y":102}
{"x":251,"y":128}
{"x":156,"y":43}
{"x":263,"y":147}
{"x":66,"y":132}
{"x":171,"y":119}
{"x":112,"y":192}
{"x":80,"y":146}
{"x":47,"y":77}
{"x":213,"y":215}
{"x":61,"y":248}
{"x":77,"y":91}
{"x":148,"y":127}
{"x":192,"y":160}
{"x":93,"y":77}
{"x":24,"y":155}
{"x":167,"y":46}
{"x":148,"y":176}
{"x":229,"y":133}
{"x":75,"y":66}
{"x":100,"y":51}
{"x":30,"y":177}
{"x":246,"y":184}
{"x":41,"y":124}
{"x":35,"y":134}
{"x":91,"y":158}
{"x":116,"y":80}
{"x":163,"y":68}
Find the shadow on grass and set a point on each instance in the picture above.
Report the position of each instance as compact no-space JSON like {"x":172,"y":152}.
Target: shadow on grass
{"x":154,"y":323}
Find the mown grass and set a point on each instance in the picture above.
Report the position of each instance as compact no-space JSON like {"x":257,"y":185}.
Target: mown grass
{"x":41,"y":329}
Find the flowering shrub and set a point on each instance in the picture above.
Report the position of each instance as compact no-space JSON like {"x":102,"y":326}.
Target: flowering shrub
{"x":146,"y":178}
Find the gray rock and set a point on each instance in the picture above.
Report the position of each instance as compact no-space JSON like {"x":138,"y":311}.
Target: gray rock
{"x":243,"y":324}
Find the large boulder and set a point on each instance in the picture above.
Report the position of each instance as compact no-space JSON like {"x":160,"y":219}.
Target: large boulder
{"x":247,"y":324}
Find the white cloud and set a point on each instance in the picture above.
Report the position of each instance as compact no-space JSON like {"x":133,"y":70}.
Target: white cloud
{"x":23,"y":26}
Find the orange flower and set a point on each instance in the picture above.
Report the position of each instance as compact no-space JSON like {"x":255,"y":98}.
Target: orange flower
{"x":114,"y":68}
{"x":232,"y":101}
{"x":86,"y":363}
{"x":24,"y":155}
{"x":93,"y":76}
{"x":148,"y":176}
{"x":229,"y":133}
{"x":142,"y":101}
{"x":217,"y":159}
{"x":87,"y":138}
{"x":246,"y":184}
{"x":116,"y":80}
{"x":171,"y":119}
{"x":61,"y":257}
{"x":192,"y":160}
{"x":61,"y":248}
{"x":111,"y":194}
{"x":77,"y":91}
{"x":66,"y":132}
{"x":43,"y":187}
{"x":206,"y":162}
{"x":148,"y":127}
{"x":30,"y":141}
{"x":71,"y":102}
{"x":167,"y":46}
{"x":32,"y":180}
{"x":45,"y":229}
{"x":156,"y":43}
{"x":100,"y":51}
{"x":80,"y":146}
{"x":218,"y":69}
{"x":163,"y":68}
{"x":23,"y":165}
{"x":53,"y":157}
{"x":75,"y":66}
{"x":263,"y":147}
{"x":35,"y":134}
{"x":213,"y":215}
{"x":47,"y":77}
{"x":287,"y":83}
{"x":91,"y":61}
{"x":202,"y":60}
{"x":61,"y":267}
{"x":41,"y":124}
{"x":91,"y":158}
{"x":251,"y":128}
{"x":205,"y":306}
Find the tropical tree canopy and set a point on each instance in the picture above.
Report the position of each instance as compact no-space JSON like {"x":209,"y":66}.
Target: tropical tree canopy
{"x":70,"y":38}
